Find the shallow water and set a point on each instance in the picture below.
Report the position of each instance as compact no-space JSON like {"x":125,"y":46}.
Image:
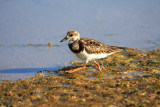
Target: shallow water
{"x":125,"y":23}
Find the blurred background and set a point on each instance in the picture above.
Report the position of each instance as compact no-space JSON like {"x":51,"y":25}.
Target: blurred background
{"x":26,"y":26}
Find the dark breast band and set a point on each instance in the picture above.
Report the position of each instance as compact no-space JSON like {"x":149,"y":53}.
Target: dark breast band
{"x":76,"y":47}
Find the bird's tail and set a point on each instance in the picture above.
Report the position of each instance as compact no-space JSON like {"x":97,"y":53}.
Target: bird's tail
{"x":119,"y":48}
{"x":124,"y":48}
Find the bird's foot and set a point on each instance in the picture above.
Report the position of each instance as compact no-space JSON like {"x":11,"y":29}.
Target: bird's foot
{"x":74,"y":70}
{"x":99,"y":68}
{"x":71,"y":71}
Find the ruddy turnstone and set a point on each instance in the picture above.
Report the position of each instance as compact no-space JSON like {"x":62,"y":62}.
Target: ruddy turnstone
{"x":88,"y":49}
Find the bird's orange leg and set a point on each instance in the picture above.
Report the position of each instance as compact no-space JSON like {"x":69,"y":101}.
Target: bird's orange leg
{"x":99,"y":68}
{"x":74,"y":70}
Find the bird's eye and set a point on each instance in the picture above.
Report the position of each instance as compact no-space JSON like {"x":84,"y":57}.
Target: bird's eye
{"x":71,"y":35}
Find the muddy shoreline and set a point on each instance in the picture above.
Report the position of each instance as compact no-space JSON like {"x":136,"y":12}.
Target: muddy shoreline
{"x":130,"y":78}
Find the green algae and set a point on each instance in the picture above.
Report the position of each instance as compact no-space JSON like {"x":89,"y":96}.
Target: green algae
{"x":130,"y":78}
{"x":49,"y":44}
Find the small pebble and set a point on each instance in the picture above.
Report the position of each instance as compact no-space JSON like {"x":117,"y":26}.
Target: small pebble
{"x":49,"y":44}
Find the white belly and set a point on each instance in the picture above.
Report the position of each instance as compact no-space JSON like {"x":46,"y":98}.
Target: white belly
{"x":88,"y":57}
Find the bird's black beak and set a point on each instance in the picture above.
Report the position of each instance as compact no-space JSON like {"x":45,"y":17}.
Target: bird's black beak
{"x":64,"y":39}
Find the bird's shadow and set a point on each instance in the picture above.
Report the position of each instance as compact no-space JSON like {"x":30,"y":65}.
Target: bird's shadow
{"x":67,"y":68}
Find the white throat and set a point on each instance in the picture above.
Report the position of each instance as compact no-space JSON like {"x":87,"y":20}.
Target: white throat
{"x":74,"y":39}
{"x":70,"y":42}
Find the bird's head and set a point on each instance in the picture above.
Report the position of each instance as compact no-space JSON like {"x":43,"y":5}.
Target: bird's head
{"x":72,"y":36}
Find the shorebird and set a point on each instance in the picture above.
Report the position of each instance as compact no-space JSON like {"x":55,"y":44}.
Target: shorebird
{"x":88,"y":49}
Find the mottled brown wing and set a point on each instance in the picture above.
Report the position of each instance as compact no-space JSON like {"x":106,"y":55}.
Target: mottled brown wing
{"x":93,"y":46}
